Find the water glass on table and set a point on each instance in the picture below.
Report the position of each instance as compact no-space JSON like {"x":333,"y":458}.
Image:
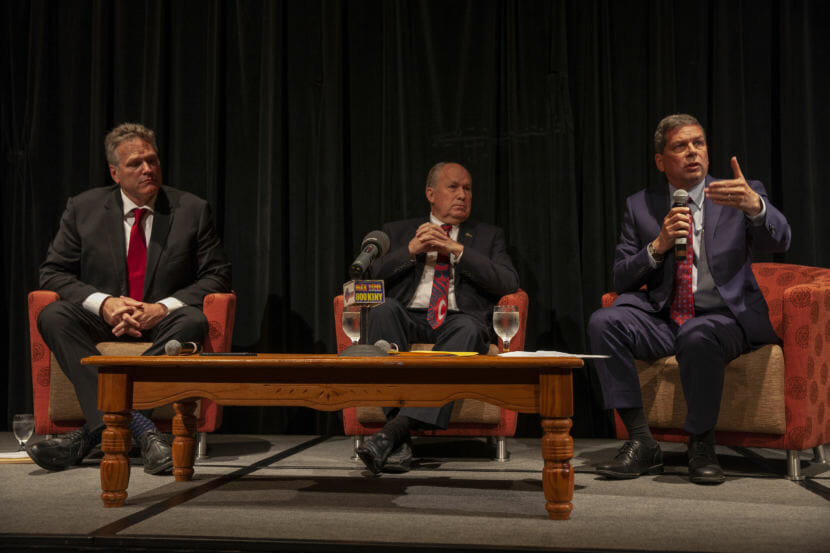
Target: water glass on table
{"x":506,"y":323}
{"x":351,"y":323}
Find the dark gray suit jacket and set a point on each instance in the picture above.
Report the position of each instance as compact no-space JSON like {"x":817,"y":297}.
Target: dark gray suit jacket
{"x":484,"y":273}
{"x":185,"y":258}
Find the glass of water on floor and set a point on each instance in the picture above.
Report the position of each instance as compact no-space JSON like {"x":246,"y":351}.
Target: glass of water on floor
{"x":506,"y":323}
{"x":23,"y":426}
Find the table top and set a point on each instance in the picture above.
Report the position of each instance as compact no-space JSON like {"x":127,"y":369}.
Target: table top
{"x":277,"y":360}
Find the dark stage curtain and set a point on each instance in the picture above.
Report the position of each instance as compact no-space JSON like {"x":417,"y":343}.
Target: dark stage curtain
{"x":307,"y":124}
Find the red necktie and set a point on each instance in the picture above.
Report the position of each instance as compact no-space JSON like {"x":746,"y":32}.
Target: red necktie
{"x":683,"y":304}
{"x":440,"y":288}
{"x":137,"y":257}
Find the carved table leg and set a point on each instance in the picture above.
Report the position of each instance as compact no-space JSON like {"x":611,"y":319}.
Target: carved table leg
{"x":116,"y":441}
{"x":557,"y":475}
{"x":556,"y":409}
{"x":184,"y":441}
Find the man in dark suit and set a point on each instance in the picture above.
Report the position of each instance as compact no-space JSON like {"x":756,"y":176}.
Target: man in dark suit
{"x":132,"y":262}
{"x":706,"y":309}
{"x":443,"y":275}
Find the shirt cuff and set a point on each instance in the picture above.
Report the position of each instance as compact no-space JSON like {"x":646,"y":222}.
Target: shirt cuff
{"x":171,"y":304}
{"x":94,"y":301}
{"x":758,"y":220}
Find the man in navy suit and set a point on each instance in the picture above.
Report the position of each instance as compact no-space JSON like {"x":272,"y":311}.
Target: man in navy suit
{"x":443,"y":275}
{"x":721,"y":313}
{"x":131,"y":261}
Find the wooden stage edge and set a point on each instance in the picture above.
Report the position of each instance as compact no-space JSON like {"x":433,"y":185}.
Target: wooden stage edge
{"x":542,"y":385}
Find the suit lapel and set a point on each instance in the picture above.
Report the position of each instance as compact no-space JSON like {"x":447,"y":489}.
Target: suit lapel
{"x":116,"y":242}
{"x":162,"y":220}
{"x":711,"y":215}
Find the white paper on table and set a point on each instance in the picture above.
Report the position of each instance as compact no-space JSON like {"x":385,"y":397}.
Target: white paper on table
{"x":13,"y":455}
{"x":541,"y":353}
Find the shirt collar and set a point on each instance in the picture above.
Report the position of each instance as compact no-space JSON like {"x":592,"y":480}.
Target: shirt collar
{"x":436,"y":221}
{"x":695,"y":193}
{"x":130,"y":205}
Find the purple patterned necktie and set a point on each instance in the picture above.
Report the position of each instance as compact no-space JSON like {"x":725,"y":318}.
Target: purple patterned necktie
{"x":683,"y":304}
{"x":440,"y":288}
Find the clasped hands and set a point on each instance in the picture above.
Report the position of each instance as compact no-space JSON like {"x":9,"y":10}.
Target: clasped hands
{"x":128,"y":316}
{"x":431,"y":238}
{"x":734,"y":193}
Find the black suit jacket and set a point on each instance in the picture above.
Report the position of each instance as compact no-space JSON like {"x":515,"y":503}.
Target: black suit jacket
{"x":484,"y":273}
{"x":185,"y":258}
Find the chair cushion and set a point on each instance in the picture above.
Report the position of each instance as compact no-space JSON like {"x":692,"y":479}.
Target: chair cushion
{"x":63,"y":403}
{"x":753,"y":393}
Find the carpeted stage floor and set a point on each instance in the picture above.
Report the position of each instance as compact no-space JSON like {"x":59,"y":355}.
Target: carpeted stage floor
{"x":305,"y":494}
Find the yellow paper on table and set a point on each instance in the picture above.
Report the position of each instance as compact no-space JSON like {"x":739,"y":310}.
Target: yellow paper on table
{"x":433,"y":352}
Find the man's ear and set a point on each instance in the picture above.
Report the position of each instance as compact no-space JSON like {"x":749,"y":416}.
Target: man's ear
{"x":430,"y":194}
{"x":658,"y":161}
{"x":114,"y":173}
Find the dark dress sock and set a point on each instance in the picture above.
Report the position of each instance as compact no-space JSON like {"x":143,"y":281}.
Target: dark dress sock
{"x":707,"y":437}
{"x":397,"y":429}
{"x":635,"y":422}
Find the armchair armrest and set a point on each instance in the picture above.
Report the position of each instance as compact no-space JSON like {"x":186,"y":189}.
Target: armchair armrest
{"x":805,"y":331}
{"x":220,"y":310}
{"x":41,"y":358}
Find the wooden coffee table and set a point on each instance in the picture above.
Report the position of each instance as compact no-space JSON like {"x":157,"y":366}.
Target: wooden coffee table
{"x":541,"y":385}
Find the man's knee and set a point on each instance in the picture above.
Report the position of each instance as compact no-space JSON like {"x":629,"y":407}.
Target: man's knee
{"x":188,"y":322}
{"x":55,"y":316}
{"x":601,"y":321}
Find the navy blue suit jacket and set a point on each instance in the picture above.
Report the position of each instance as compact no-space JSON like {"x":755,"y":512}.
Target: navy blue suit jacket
{"x":730,"y":239}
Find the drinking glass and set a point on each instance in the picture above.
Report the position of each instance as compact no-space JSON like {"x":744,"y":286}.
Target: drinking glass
{"x":506,"y":323}
{"x":23,"y":426}
{"x":351,"y":323}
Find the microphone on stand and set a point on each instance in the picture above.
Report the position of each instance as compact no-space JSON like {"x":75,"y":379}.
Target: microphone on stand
{"x":374,"y":245}
{"x":174,"y":347}
{"x":679,"y":199}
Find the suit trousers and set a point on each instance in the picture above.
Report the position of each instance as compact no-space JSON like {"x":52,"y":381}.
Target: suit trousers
{"x":393,"y":322}
{"x":704,"y":345}
{"x":71,"y":332}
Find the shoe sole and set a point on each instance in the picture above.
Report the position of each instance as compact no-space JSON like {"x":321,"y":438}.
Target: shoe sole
{"x":47,"y":466}
{"x":396,"y":468}
{"x":166,"y":467}
{"x":614,"y":475}
{"x":707,"y":480}
{"x":368,"y":460}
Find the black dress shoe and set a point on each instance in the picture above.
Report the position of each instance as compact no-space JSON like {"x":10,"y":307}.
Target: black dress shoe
{"x":155,"y":452}
{"x":703,"y":463}
{"x":375,"y":450}
{"x":63,"y":451}
{"x":634,"y":459}
{"x":400,"y":459}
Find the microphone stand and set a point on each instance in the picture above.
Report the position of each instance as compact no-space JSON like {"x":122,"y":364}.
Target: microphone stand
{"x":363,"y":349}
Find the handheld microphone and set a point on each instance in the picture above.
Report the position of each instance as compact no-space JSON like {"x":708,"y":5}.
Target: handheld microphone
{"x":679,"y":199}
{"x":374,"y":245}
{"x":174,"y":347}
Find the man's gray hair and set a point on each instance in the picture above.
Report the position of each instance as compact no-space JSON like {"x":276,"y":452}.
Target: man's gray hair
{"x":669,"y":123}
{"x":123,"y":133}
{"x":432,"y":176}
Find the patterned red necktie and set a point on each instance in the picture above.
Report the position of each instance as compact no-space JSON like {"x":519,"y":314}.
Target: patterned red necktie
{"x":440,"y":288}
{"x":683,"y":304}
{"x":137,"y":257}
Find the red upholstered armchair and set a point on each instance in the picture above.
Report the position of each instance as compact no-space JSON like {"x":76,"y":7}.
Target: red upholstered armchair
{"x":775,"y":397}
{"x":56,"y":407}
{"x":470,"y":417}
